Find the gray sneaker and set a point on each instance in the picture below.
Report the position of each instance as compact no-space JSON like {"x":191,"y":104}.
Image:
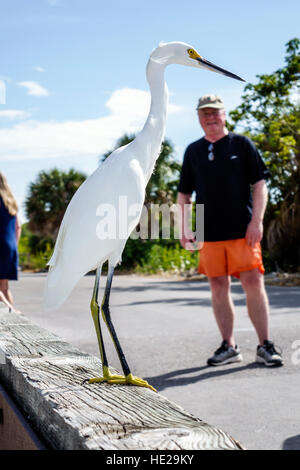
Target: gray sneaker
{"x":225,"y":355}
{"x":268,"y":355}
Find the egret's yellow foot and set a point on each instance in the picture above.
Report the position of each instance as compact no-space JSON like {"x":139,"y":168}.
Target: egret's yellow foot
{"x":120,"y":379}
{"x":131,"y":379}
{"x":112,"y":379}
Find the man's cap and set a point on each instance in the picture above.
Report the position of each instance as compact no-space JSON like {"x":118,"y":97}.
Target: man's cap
{"x":210,"y":101}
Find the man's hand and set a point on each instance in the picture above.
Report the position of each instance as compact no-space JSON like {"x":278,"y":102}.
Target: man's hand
{"x":188,"y":241}
{"x":254,"y":232}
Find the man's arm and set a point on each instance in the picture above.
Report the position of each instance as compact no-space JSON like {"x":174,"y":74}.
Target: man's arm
{"x":254,"y":231}
{"x":187,"y":239}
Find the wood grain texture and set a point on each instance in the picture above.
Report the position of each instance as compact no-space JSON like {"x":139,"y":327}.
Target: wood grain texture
{"x":44,"y":376}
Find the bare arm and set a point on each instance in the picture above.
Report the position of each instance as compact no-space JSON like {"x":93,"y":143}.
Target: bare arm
{"x":18,"y":229}
{"x":187,"y":238}
{"x":254,"y":231}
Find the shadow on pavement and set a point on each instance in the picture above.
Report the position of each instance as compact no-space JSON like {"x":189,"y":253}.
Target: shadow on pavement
{"x":292,"y":443}
{"x":283,"y":297}
{"x":172,"y":379}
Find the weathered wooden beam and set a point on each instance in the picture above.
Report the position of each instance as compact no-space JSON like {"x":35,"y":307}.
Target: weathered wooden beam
{"x":44,"y":375}
{"x":15,"y":433}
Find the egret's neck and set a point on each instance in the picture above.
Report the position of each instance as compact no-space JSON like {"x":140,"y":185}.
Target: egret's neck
{"x":154,"y":129}
{"x":159,"y":93}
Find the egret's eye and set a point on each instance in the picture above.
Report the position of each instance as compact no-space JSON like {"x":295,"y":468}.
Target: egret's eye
{"x":193,"y":54}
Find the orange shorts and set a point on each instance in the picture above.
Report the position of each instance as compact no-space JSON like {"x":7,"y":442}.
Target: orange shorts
{"x":229,"y":257}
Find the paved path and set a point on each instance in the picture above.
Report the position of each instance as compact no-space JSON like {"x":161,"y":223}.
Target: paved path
{"x":167,"y":331}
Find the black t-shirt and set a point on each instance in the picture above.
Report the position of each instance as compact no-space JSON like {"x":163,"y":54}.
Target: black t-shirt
{"x":223,"y":184}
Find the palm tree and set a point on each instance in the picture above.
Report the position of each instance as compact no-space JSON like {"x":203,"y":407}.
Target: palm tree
{"x":48,"y":198}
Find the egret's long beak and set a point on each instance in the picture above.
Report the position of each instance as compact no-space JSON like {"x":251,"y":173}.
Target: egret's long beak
{"x":215,"y":68}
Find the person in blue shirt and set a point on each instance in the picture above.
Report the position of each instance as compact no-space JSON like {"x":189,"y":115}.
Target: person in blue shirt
{"x":10,"y":231}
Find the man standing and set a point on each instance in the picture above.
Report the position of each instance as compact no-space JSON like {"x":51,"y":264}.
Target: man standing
{"x":221,"y":168}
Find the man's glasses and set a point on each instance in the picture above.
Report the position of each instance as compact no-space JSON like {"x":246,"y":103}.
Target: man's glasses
{"x":211,"y":156}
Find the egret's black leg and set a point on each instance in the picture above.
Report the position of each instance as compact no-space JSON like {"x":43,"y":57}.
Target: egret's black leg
{"x":95,"y":309}
{"x":129,"y":378}
{"x":110,"y":326}
{"x":107,"y":376}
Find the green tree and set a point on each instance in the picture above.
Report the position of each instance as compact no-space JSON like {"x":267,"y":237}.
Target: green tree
{"x":162,"y":186}
{"x":270,"y":116}
{"x":47,"y":200}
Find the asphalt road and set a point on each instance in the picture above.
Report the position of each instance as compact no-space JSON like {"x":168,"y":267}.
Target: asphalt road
{"x":167,"y":331}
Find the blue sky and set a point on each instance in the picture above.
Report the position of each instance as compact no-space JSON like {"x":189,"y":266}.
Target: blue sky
{"x":74,"y":72}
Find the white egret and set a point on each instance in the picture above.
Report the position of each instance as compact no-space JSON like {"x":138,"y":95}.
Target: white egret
{"x":126,"y":172}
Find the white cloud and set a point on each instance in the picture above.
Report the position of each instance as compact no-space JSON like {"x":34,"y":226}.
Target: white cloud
{"x":12,"y":114}
{"x":128,"y":109}
{"x":2,"y":92}
{"x":124,"y":99}
{"x":34,"y":89}
{"x":39,"y":69}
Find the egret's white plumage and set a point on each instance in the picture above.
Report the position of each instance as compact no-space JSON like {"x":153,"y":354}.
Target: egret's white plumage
{"x":78,"y":249}
{"x":125,"y":172}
